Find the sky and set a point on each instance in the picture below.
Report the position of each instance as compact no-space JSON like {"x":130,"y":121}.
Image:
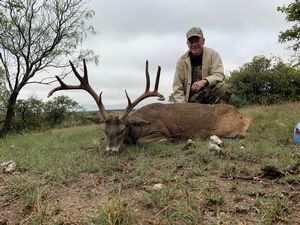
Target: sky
{"x":130,"y":32}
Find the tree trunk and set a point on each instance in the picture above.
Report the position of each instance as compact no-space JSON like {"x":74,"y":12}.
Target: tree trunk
{"x":9,"y":114}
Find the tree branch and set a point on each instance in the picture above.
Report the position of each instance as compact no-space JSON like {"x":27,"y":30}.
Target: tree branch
{"x":7,"y":75}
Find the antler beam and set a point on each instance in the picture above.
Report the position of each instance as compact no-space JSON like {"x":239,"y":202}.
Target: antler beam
{"x":84,"y":84}
{"x":146,"y":94}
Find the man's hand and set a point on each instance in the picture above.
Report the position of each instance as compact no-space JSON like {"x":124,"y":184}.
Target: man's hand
{"x":196,"y":86}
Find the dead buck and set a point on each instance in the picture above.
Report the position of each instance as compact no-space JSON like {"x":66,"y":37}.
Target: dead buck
{"x":158,"y":122}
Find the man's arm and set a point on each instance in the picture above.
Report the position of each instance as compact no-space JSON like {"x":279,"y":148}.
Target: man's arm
{"x":216,"y":70}
{"x":178,"y":84}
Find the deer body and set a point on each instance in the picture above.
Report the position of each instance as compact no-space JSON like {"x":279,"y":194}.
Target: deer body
{"x":157,"y":122}
{"x":186,"y":120}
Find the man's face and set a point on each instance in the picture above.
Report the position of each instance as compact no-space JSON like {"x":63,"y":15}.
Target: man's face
{"x":195,"y":44}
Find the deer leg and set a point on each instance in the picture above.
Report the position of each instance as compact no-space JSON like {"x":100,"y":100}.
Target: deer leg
{"x":156,"y":137}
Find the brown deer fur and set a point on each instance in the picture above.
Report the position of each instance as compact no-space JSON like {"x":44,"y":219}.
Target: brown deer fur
{"x":186,"y":120}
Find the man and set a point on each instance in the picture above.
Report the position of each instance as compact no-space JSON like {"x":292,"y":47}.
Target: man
{"x":199,"y":75}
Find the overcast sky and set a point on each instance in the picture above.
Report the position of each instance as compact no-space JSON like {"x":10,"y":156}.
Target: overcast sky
{"x":133,"y":31}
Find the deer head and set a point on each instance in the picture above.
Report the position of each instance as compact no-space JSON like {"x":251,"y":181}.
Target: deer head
{"x":116,"y":126}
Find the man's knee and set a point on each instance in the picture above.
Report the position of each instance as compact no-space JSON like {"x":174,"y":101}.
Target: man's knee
{"x":222,"y":92}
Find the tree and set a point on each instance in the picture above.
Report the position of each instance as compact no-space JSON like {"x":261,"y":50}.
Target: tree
{"x":29,"y":113}
{"x":264,"y":81}
{"x":36,"y":35}
{"x":292,"y":12}
{"x":3,"y":94}
{"x":60,"y":108}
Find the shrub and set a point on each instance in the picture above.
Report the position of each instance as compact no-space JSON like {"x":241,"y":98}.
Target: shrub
{"x":264,"y":81}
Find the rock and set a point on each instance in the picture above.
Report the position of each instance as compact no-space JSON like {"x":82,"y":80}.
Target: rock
{"x":157,"y":187}
{"x":8,"y":167}
{"x":216,"y":140}
{"x":242,"y":207}
{"x":189,"y":144}
{"x":189,"y":141}
{"x":214,"y":148}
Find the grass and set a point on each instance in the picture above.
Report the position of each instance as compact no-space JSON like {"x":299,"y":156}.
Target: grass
{"x":275,"y":207}
{"x":114,"y":212}
{"x":63,"y":177}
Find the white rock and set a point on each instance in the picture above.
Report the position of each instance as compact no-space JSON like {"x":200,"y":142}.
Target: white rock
{"x":215,"y":148}
{"x":8,"y":167}
{"x":216,"y":140}
{"x":189,"y":141}
{"x":157,"y":187}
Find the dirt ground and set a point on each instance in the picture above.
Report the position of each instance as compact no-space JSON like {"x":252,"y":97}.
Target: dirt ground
{"x":79,"y":200}
{"x":73,"y":201}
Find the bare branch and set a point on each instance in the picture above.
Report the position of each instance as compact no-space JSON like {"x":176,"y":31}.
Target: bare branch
{"x":6,"y":72}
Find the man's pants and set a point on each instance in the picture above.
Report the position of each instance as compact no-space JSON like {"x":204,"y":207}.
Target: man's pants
{"x":212,"y":95}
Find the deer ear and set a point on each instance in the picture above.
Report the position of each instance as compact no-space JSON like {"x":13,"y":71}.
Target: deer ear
{"x":95,"y":119}
{"x":136,"y":121}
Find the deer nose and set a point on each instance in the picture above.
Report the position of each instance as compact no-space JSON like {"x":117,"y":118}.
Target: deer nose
{"x":112,"y":149}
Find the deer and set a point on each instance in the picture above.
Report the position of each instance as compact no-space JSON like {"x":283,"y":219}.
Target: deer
{"x":159,"y":122}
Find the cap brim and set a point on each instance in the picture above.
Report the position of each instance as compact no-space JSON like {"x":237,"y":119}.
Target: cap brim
{"x":194,"y":35}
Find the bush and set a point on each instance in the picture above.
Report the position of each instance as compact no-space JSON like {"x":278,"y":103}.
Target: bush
{"x":60,"y":110}
{"x":264,"y":81}
{"x":238,"y":101}
{"x":29,"y":114}
{"x":34,"y":114}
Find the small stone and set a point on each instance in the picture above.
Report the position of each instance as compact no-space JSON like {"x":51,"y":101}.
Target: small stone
{"x":214,"y":148}
{"x":242,"y":207}
{"x":216,"y":140}
{"x":189,"y":144}
{"x":8,"y":167}
{"x":189,"y":141}
{"x":157,"y":187}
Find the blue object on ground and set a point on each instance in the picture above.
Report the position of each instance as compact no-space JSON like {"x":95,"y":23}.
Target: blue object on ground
{"x":297,"y":133}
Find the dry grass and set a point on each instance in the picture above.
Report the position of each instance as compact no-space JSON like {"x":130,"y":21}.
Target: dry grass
{"x":63,"y":178}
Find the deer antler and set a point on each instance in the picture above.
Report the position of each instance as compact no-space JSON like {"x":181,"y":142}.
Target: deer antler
{"x":84,"y":84}
{"x":146,"y":94}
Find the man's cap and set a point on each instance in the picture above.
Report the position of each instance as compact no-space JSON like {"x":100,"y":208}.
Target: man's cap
{"x":194,"y":31}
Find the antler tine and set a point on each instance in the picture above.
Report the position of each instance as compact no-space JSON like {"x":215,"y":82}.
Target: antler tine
{"x":102,"y":108}
{"x":128,"y":99}
{"x":62,"y":85}
{"x":84,"y":84}
{"x":157,"y":79}
{"x":146,"y":94}
{"x":85,"y":72}
{"x":160,"y":96}
{"x":147,"y":77}
{"x":76,"y":73}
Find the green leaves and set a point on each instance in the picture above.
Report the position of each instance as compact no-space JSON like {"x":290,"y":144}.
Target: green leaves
{"x":39,"y":34}
{"x":292,"y":12}
{"x":264,"y":81}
